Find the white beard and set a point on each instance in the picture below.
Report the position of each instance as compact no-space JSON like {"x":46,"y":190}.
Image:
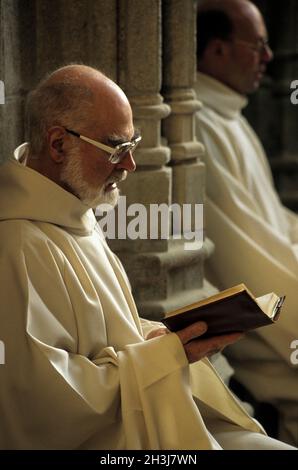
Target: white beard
{"x":72,"y":175}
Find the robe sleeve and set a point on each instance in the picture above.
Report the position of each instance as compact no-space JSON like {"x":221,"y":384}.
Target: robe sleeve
{"x":52,"y":397}
{"x":149,"y":325}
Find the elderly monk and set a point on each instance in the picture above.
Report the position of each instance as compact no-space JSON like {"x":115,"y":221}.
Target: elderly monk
{"x":82,"y":370}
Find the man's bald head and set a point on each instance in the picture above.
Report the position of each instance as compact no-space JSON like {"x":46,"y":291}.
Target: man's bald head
{"x":76,"y":117}
{"x":69,"y":96}
{"x":218,"y":19}
{"x":77,"y":75}
{"x":230,"y":7}
{"x":234,"y":9}
{"x":223,"y":24}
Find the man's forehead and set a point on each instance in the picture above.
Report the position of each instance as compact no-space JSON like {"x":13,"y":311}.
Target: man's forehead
{"x":113,"y":123}
{"x":114,"y":117}
{"x":249,"y":20}
{"x":116,"y":138}
{"x":244,"y":25}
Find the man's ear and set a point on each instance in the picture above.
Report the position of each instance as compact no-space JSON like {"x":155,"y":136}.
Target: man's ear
{"x":56,"y":136}
{"x":218,"y":48}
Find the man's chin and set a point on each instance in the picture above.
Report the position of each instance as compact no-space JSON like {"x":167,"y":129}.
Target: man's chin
{"x":252,"y":88}
{"x":109,"y":198}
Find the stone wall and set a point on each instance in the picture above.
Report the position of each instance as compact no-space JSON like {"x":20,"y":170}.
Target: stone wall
{"x":16,"y":69}
{"x":38,"y":36}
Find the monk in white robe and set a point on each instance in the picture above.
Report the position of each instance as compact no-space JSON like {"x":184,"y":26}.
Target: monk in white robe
{"x":79,"y":372}
{"x":255,"y":236}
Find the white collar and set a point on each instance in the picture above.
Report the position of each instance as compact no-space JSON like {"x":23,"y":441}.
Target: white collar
{"x":219,"y":97}
{"x":27,"y":194}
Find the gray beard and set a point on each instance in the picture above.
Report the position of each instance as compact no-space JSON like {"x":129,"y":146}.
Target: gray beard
{"x":72,"y":176}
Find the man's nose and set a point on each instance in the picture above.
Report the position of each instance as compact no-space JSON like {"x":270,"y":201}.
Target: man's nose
{"x":128,"y":163}
{"x":267,"y":53}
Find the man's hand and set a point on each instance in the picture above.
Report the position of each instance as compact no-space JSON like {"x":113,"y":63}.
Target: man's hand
{"x":196,"y":348}
{"x":159,"y":332}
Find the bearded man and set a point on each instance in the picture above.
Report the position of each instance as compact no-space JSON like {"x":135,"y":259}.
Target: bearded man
{"x":82,"y":370}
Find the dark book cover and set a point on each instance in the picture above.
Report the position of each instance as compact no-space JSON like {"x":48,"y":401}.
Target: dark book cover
{"x":234,"y":312}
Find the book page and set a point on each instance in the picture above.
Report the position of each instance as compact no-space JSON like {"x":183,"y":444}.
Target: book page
{"x":220,"y":295}
{"x":268,"y":303}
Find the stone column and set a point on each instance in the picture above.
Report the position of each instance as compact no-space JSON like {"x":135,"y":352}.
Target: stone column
{"x":37,"y":37}
{"x":16,"y":59}
{"x":76,"y":31}
{"x":139,"y":74}
{"x":158,"y":268}
{"x":179,"y":73}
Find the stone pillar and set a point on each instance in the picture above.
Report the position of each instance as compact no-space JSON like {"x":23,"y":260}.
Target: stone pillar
{"x":139,"y":74}
{"x":179,"y":73}
{"x":76,"y":31}
{"x":16,"y":59}
{"x":37,"y":37}
{"x":160,"y":271}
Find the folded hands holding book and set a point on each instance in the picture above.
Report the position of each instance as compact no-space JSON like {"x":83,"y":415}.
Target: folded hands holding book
{"x":195,"y":347}
{"x":209,"y":325}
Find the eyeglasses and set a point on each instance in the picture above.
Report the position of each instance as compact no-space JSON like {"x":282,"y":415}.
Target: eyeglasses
{"x":117,"y":153}
{"x":260,"y":46}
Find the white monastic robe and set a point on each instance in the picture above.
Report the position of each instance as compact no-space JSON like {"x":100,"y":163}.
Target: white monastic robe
{"x":255,"y":239}
{"x":78,"y":373}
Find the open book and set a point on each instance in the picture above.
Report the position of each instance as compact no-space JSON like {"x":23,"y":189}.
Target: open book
{"x":232,"y":310}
